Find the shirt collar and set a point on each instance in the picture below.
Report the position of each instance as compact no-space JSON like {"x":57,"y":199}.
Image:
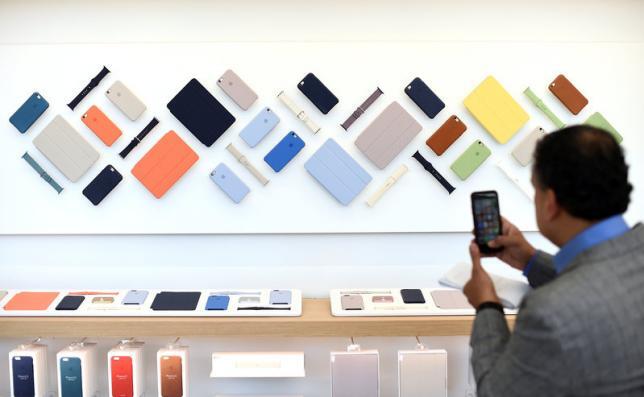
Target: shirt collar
{"x":605,"y":230}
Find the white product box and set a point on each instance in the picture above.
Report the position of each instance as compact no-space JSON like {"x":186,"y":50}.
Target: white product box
{"x":422,"y":373}
{"x":258,"y":365}
{"x":172,"y":371}
{"x":29,"y":362}
{"x":126,"y":368}
{"x":78,"y":358}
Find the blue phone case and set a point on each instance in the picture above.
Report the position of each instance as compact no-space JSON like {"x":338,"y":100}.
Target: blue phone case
{"x":28,"y":113}
{"x":217,"y":302}
{"x":259,"y":127}
{"x":424,"y":97}
{"x":71,"y":380}
{"x":284,"y":151}
{"x":135,"y":297}
{"x":229,"y":183}
{"x":23,"y":376}
{"x":280,"y":297}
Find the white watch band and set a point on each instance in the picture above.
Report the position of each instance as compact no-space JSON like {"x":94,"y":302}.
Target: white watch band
{"x":244,"y":161}
{"x":402,"y":170}
{"x":511,"y":176}
{"x":286,"y":100}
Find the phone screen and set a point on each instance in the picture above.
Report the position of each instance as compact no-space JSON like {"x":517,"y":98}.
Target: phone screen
{"x":487,"y":218}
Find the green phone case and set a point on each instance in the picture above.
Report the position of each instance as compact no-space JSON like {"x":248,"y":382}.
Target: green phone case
{"x":597,"y":120}
{"x":470,"y":160}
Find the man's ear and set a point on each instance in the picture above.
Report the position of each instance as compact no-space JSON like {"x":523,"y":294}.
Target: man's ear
{"x":551,"y":205}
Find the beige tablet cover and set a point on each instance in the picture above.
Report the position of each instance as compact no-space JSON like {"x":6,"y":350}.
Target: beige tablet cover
{"x":388,"y":135}
{"x":66,"y":148}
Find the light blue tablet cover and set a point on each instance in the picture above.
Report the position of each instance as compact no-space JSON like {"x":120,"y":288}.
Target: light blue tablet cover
{"x":259,"y":127}
{"x":338,"y":172}
{"x":229,"y":183}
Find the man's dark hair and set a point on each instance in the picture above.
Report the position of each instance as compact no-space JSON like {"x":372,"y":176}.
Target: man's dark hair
{"x":585,"y":168}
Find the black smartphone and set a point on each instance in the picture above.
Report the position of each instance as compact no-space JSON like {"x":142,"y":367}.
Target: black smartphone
{"x":70,"y":302}
{"x":412,"y":296}
{"x":487,"y":219}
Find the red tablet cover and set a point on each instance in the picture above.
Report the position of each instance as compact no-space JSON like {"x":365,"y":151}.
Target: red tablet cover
{"x":31,"y":301}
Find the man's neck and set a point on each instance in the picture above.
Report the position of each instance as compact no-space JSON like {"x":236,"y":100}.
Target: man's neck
{"x":569,"y":228}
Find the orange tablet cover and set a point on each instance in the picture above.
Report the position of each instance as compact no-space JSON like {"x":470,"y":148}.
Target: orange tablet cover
{"x":31,"y":301}
{"x":101,"y":125}
{"x":164,"y":164}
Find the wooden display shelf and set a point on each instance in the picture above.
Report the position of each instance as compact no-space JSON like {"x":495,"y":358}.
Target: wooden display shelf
{"x":316,"y":321}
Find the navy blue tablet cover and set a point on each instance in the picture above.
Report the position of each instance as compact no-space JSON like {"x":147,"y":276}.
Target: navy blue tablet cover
{"x":102,"y":185}
{"x":284,"y":151}
{"x":29,"y":112}
{"x":337,"y":172}
{"x":168,"y":300}
{"x":424,"y":97}
{"x":200,"y":112}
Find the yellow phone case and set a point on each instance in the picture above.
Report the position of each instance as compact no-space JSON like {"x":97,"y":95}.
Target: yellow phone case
{"x":496,"y":110}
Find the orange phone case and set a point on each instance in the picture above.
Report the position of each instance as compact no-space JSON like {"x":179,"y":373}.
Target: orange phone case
{"x":31,"y":301}
{"x":164,"y":164}
{"x":101,"y":125}
{"x":446,"y":134}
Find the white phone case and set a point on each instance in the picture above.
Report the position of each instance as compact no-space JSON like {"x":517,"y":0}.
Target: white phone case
{"x":125,"y":100}
{"x":524,"y":150}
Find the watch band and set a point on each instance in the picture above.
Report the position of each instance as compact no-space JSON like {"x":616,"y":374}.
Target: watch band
{"x":139,"y":137}
{"x":361,"y":109}
{"x":542,"y":106}
{"x":43,"y":174}
{"x":244,"y":161}
{"x":430,"y":168}
{"x":286,"y":100}
{"x":402,"y":170}
{"x":511,"y":176}
{"x":492,"y":305}
{"x":93,"y":83}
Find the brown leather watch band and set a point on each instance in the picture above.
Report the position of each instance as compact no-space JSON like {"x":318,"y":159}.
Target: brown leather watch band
{"x":362,"y":108}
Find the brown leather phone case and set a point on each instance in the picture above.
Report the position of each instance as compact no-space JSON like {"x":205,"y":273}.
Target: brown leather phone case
{"x":171,"y":376}
{"x":568,"y":94}
{"x":446,"y":134}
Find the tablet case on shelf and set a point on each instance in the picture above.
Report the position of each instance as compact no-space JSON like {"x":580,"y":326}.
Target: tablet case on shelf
{"x":284,"y":151}
{"x":66,"y":148}
{"x":568,"y":94}
{"x":164,"y":164}
{"x":496,"y":110}
{"x":125,"y":100}
{"x":200,"y":112}
{"x":317,"y":93}
{"x":424,"y":97}
{"x":102,"y":185}
{"x":599,"y":121}
{"x":337,"y":172}
{"x":387,"y":135}
{"x":101,"y":125}
{"x":470,"y":160}
{"x":229,"y":183}
{"x":170,"y":300}
{"x":259,"y":127}
{"x":29,"y":112}
{"x":31,"y":301}
{"x":446,"y":134}
{"x":70,"y":302}
{"x":217,"y":302}
{"x":522,"y":153}
{"x":237,"y":89}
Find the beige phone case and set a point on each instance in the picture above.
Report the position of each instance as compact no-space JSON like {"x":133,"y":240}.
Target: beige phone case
{"x":237,"y":89}
{"x":388,"y":135}
{"x":125,"y":100}
{"x":524,"y":150}
{"x":66,"y":148}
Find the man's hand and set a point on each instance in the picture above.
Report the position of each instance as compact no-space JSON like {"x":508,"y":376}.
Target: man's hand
{"x":480,"y":288}
{"x":516,"y":250}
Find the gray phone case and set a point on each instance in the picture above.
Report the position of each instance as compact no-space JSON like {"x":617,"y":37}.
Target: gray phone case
{"x":237,"y":89}
{"x":522,"y":153}
{"x":135,"y":297}
{"x":125,"y":100}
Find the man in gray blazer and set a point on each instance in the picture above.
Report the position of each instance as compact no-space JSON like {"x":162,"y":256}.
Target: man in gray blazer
{"x":580,"y":331}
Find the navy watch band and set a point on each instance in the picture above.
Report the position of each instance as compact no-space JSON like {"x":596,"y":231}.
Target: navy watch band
{"x":430,"y":168}
{"x":139,"y":137}
{"x":43,"y":174}
{"x":362,"y":108}
{"x":491,"y":305}
{"x":93,"y":83}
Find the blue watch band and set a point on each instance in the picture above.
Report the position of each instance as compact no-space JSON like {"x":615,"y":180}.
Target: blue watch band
{"x":43,"y":174}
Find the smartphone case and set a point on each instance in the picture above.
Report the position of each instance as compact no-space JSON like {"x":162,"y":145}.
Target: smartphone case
{"x":446,"y":135}
{"x":284,"y":151}
{"x":387,"y":135}
{"x":28,"y":374}
{"x":237,"y":89}
{"x":280,"y":297}
{"x":200,"y":112}
{"x":352,"y":302}
{"x":470,"y":160}
{"x":101,"y":125}
{"x":66,"y":149}
{"x":568,"y":94}
{"x":317,"y":93}
{"x":229,"y":183}
{"x":422,"y":373}
{"x":450,"y":299}
{"x":29,"y":112}
{"x":259,"y":127}
{"x":125,"y":100}
{"x":522,"y":153}
{"x":70,"y":302}
{"x":412,"y":296}
{"x":424,"y":97}
{"x":493,"y":107}
{"x":337,"y":172}
{"x":599,"y":121}
{"x":355,"y":374}
{"x":135,"y":297}
{"x":102,"y":185}
{"x":217,"y":302}
{"x":170,"y":368}
{"x":121,"y":376}
{"x":23,"y":383}
{"x":28,"y":300}
{"x":184,"y":301}
{"x":168,"y":160}
{"x":71,"y":377}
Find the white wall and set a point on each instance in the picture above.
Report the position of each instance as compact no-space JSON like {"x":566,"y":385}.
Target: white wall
{"x":314,"y":263}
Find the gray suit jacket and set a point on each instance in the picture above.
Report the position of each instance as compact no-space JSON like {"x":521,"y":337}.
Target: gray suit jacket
{"x":579,"y":333}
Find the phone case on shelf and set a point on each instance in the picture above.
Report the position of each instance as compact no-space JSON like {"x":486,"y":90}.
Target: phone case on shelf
{"x":317,"y":93}
{"x":101,"y":125}
{"x":470,"y":160}
{"x":229,"y":183}
{"x":522,"y":153}
{"x":125,"y":100}
{"x":424,"y":97}
{"x":446,"y":135}
{"x":237,"y":89}
{"x":568,"y":94}
{"x":598,"y":120}
{"x":29,"y":112}
{"x":259,"y":127}
{"x":102,"y":185}
{"x":284,"y":151}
